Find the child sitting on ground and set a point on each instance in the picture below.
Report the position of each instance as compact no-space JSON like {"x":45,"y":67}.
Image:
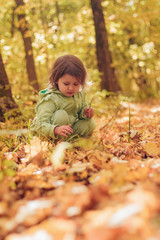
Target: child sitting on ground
{"x":62,"y":109}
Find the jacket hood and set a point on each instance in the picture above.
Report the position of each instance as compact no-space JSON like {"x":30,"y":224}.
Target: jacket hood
{"x":45,"y":92}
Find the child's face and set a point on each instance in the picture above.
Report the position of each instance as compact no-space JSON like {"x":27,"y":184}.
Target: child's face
{"x":68,"y":85}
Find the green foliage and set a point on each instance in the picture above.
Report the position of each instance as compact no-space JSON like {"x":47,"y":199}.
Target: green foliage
{"x":133,"y":36}
{"x":8,"y":164}
{"x":8,"y":168}
{"x":61,"y":27}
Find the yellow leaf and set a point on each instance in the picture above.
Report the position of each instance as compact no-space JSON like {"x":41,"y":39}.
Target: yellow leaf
{"x":109,"y":146}
{"x":83,"y":143}
{"x":151,"y":148}
{"x":29,"y":103}
{"x":5,"y":149}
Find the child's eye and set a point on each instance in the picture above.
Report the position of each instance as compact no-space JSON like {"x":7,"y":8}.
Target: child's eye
{"x":76,"y":84}
{"x":66,"y":84}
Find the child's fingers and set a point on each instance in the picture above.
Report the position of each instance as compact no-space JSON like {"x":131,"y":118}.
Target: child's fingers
{"x":67,"y":131}
{"x":89,"y":112}
{"x":64,"y":130}
{"x":90,"y":109}
{"x":64,"y":135}
{"x":92,"y":113}
{"x":69,"y":128}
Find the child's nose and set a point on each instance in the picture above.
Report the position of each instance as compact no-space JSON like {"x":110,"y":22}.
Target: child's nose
{"x":71,"y":87}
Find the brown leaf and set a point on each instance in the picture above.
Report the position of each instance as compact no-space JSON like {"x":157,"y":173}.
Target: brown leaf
{"x":152,"y":148}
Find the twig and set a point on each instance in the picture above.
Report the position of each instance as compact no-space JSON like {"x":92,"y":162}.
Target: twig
{"x":90,"y":105}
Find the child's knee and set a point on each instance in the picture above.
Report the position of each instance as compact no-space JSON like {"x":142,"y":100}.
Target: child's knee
{"x":84,"y":127}
{"x":92,"y":124}
{"x":60,"y":117}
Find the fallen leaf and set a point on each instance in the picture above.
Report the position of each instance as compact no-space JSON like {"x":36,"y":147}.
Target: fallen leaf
{"x":58,"y":155}
{"x":152,"y":148}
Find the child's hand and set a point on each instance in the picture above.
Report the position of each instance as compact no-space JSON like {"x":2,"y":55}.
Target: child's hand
{"x":89,"y":112}
{"x":64,"y":130}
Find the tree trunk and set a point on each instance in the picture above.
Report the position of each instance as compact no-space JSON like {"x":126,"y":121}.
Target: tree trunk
{"x":6,"y":100}
{"x":57,"y":13}
{"x":26,"y":35}
{"x":45,"y":32}
{"x":108,"y":78}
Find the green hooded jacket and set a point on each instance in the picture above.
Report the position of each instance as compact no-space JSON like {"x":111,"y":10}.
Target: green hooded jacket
{"x":51,"y":101}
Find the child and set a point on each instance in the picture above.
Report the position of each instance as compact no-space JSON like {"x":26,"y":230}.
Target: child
{"x":62,"y":109}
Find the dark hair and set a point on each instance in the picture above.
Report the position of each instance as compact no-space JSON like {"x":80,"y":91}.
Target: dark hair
{"x":68,"y":64}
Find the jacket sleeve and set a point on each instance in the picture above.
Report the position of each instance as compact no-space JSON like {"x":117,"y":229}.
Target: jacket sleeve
{"x":42,"y":123}
{"x":83,"y":106}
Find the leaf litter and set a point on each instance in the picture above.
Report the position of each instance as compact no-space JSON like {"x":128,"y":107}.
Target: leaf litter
{"x":105,"y":187}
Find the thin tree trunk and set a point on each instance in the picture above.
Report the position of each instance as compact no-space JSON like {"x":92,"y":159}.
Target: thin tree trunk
{"x":13,"y":18}
{"x":45,"y":32}
{"x":57,"y":13}
{"x":108,"y":77}
{"x":6,"y":100}
{"x":26,"y":35}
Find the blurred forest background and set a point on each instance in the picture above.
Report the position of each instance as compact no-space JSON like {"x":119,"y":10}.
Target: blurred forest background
{"x":104,"y":187}
{"x":126,"y":45}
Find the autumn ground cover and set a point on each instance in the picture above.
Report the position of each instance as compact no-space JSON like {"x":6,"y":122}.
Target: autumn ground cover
{"x":105,"y":187}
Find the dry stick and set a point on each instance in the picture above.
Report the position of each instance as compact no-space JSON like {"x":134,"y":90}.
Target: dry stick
{"x":90,"y":105}
{"x":91,"y":102}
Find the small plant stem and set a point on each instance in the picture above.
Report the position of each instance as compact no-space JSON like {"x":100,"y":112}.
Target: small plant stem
{"x":90,"y":105}
{"x":91,"y":102}
{"x":129,"y":125}
{"x":16,"y":148}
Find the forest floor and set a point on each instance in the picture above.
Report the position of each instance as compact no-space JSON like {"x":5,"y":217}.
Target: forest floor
{"x":106,"y":187}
